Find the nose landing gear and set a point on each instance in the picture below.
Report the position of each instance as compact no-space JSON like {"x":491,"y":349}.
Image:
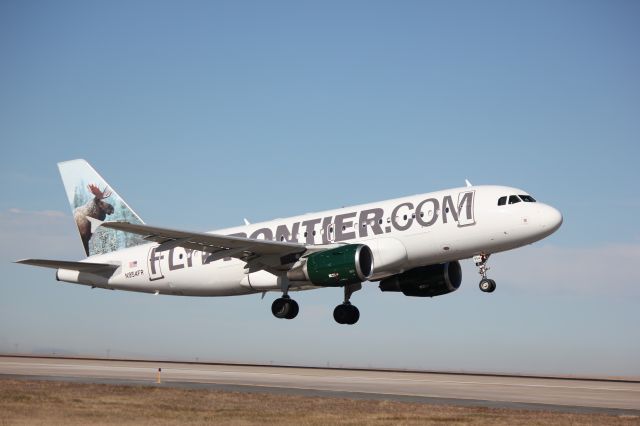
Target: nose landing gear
{"x":487,"y":285}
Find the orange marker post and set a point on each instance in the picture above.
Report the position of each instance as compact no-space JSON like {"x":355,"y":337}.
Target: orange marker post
{"x":158,"y":376}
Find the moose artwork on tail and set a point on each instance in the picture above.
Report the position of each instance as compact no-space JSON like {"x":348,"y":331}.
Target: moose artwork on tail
{"x":95,"y":208}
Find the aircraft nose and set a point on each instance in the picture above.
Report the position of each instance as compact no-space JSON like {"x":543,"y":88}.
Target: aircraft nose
{"x":551,"y":219}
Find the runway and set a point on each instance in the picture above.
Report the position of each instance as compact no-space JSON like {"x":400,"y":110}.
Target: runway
{"x":570,"y":395}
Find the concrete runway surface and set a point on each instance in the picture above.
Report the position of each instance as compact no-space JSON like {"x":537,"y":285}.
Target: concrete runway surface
{"x":557,"y":394}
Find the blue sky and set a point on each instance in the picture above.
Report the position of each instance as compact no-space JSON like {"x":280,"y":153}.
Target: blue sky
{"x":202,"y":113}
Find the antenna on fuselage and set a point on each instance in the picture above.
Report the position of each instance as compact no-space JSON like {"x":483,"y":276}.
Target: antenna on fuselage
{"x":467,"y":182}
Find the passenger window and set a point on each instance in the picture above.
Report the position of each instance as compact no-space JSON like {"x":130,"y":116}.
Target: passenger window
{"x":502,"y":201}
{"x":513,"y":199}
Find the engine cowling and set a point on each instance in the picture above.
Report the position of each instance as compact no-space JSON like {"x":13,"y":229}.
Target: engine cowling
{"x":426,"y":281}
{"x":348,"y":264}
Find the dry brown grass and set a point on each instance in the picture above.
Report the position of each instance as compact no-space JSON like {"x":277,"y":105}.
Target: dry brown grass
{"x":41,"y":402}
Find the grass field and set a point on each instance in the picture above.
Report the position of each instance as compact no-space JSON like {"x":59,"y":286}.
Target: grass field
{"x":42,"y":402}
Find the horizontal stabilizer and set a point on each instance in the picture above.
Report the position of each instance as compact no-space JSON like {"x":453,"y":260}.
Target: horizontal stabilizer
{"x":74,"y":266}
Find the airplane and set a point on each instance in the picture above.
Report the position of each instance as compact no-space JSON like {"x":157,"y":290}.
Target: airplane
{"x":411,"y":245}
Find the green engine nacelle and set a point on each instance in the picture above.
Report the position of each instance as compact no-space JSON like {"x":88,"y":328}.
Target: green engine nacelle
{"x":349,"y":264}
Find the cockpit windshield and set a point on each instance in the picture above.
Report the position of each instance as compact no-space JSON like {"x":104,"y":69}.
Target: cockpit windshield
{"x":513,"y":199}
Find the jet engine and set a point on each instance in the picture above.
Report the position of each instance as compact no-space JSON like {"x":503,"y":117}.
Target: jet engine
{"x":348,"y":264}
{"x":426,"y":281}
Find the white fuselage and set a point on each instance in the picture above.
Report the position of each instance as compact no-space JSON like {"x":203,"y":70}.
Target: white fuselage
{"x":402,"y":233}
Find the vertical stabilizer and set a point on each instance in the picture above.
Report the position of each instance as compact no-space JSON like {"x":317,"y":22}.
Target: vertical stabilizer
{"x":90,"y":196}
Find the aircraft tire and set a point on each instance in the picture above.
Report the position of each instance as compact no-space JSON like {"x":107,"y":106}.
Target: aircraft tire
{"x":339,"y":314}
{"x":487,"y":285}
{"x":354,"y":315}
{"x":293,"y":309}
{"x":280,"y":307}
{"x":346,"y":314}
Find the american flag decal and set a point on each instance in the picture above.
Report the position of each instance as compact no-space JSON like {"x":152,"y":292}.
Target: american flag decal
{"x":133,"y":264}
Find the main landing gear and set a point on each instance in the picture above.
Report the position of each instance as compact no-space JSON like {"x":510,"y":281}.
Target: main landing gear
{"x":346,"y":313}
{"x":285,"y":307}
{"x":486,"y":284}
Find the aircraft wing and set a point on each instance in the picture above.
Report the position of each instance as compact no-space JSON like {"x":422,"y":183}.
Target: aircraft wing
{"x":259,"y":254}
{"x":95,"y":268}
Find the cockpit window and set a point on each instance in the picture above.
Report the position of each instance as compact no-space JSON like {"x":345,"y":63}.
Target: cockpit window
{"x":513,"y":199}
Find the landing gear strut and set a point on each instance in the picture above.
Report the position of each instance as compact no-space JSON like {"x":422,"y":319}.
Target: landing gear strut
{"x":285,"y":307}
{"x":486,"y":284}
{"x":346,"y":313}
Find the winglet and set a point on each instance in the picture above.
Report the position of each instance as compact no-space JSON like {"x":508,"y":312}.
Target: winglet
{"x":468,"y":183}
